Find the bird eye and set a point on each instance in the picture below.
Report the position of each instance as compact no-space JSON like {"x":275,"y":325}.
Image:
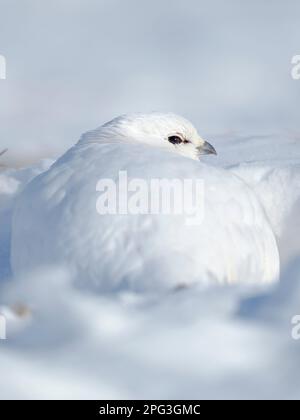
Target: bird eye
{"x":175,"y":139}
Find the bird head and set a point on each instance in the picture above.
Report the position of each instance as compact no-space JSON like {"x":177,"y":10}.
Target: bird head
{"x":164,"y":130}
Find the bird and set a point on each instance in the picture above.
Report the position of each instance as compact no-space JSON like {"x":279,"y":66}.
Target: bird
{"x":63,"y":217}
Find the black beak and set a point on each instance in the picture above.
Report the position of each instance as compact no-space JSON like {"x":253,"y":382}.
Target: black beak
{"x":206,"y":149}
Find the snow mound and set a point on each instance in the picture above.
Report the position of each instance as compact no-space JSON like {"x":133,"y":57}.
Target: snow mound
{"x":56,"y":224}
{"x":229,"y":342}
{"x":276,"y":186}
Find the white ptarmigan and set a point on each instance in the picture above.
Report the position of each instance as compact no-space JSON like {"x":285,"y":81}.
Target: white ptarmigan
{"x":56,"y":222}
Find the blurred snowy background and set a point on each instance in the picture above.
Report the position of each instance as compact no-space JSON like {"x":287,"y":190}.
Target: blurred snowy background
{"x":74,"y":64}
{"x":226,"y":66}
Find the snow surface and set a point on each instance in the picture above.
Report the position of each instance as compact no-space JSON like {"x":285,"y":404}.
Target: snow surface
{"x":222,"y":342}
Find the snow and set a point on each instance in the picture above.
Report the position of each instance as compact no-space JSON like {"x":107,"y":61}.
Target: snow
{"x":205,"y":63}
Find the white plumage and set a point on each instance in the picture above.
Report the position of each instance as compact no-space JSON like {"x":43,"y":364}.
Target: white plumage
{"x":56,"y":222}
